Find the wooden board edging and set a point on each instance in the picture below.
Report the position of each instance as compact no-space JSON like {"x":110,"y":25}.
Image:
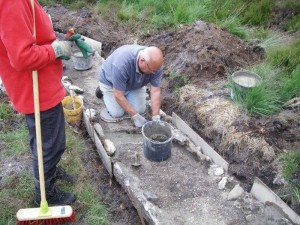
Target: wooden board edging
{"x":100,"y":149}
{"x":206,"y":149}
{"x":264,"y":194}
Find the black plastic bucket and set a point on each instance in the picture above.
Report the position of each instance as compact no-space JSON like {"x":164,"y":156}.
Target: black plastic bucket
{"x":157,"y":140}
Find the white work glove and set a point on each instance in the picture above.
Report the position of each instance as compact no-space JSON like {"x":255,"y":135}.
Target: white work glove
{"x":138,"y":120}
{"x":156,"y":118}
{"x":62,"y":49}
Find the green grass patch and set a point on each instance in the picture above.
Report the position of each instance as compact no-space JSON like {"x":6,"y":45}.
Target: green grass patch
{"x":268,"y":39}
{"x":290,"y":85}
{"x":234,"y":26}
{"x":15,"y":141}
{"x":77,"y":4}
{"x":286,"y":57}
{"x":94,"y":211}
{"x":290,"y":167}
{"x":263,"y":99}
{"x":294,"y":24}
{"x":178,"y":81}
{"x":257,"y":12}
{"x":259,"y":100}
{"x":6,"y":111}
{"x":16,"y":191}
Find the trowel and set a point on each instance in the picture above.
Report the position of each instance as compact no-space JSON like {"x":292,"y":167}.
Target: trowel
{"x":136,"y":160}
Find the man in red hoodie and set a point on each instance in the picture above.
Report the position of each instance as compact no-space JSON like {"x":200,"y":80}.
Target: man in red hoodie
{"x":20,"y":54}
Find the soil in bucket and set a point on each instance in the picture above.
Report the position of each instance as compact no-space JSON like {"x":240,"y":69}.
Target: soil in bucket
{"x":157,"y":140}
{"x":73,"y":114}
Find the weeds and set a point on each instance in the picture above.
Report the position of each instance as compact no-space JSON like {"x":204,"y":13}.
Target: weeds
{"x":17,"y":184}
{"x":15,"y":141}
{"x":259,"y":100}
{"x":179,"y":80}
{"x":258,"y":13}
{"x":291,"y":172}
{"x":290,"y":85}
{"x":285,"y":57}
{"x":6,"y":111}
{"x":234,"y":26}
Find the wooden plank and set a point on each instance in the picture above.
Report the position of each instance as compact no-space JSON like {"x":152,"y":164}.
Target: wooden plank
{"x":88,"y":125}
{"x":198,"y":141}
{"x":100,"y":149}
{"x":264,"y":194}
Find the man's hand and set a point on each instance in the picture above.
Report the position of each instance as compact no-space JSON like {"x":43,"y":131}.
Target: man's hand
{"x":156,"y":118}
{"x":138,"y":120}
{"x":62,"y":49}
{"x":84,"y":47}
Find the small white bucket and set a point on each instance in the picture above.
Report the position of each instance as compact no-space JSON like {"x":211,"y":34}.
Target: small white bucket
{"x":80,"y":63}
{"x":244,"y":80}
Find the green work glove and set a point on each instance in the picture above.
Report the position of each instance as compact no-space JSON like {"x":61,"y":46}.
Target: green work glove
{"x":84,"y":47}
{"x":62,"y":49}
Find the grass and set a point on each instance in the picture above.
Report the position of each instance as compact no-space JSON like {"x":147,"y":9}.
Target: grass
{"x":290,"y":85}
{"x":290,"y":166}
{"x":281,"y":78}
{"x":269,"y":39}
{"x":234,"y":26}
{"x":292,"y":7}
{"x":16,"y":191}
{"x":94,"y":211}
{"x":285,"y":57}
{"x":263,"y":99}
{"x":259,"y":100}
{"x":15,"y":141}
{"x":179,"y":80}
{"x":77,"y":4}
{"x":258,"y":12}
{"x":17,"y":186}
{"x":6,"y":111}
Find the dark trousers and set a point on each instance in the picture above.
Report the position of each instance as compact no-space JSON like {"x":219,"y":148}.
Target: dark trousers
{"x":53,"y":141}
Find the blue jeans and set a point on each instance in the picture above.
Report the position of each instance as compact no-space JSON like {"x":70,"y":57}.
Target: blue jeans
{"x":53,"y":140}
{"x":137,"y":99}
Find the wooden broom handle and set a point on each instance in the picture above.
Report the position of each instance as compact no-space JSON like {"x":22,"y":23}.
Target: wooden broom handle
{"x":38,"y":120}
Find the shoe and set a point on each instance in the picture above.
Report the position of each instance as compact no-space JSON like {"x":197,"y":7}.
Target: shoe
{"x":60,"y":174}
{"x":105,"y":116}
{"x":55,"y":197}
{"x":98,"y":93}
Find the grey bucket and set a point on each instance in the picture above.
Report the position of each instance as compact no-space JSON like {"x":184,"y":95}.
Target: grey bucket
{"x":155,"y":149}
{"x":243,"y":81}
{"x":81,"y":63}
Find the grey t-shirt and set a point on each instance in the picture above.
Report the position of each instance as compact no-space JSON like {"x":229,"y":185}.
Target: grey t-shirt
{"x":120,"y":70}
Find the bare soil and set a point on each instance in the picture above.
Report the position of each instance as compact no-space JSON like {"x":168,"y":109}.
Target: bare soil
{"x":205,"y":55}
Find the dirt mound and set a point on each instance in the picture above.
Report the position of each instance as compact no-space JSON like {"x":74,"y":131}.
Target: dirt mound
{"x":203,"y":52}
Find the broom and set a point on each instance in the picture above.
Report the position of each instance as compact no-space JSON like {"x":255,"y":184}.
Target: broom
{"x":44,"y":214}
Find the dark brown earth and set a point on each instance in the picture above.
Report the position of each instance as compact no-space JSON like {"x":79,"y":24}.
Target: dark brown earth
{"x":202,"y":56}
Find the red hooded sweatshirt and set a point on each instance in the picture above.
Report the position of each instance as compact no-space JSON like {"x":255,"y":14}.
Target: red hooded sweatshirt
{"x":19,"y":56}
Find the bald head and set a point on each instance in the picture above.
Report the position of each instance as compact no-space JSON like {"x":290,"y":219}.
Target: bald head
{"x":153,"y":56}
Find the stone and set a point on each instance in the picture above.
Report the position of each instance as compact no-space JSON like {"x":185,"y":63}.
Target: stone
{"x":235,"y":193}
{"x":222,"y":183}
{"x":219,"y":171}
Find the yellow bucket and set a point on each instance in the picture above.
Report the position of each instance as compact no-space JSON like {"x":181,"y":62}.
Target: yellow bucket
{"x":72,"y":115}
